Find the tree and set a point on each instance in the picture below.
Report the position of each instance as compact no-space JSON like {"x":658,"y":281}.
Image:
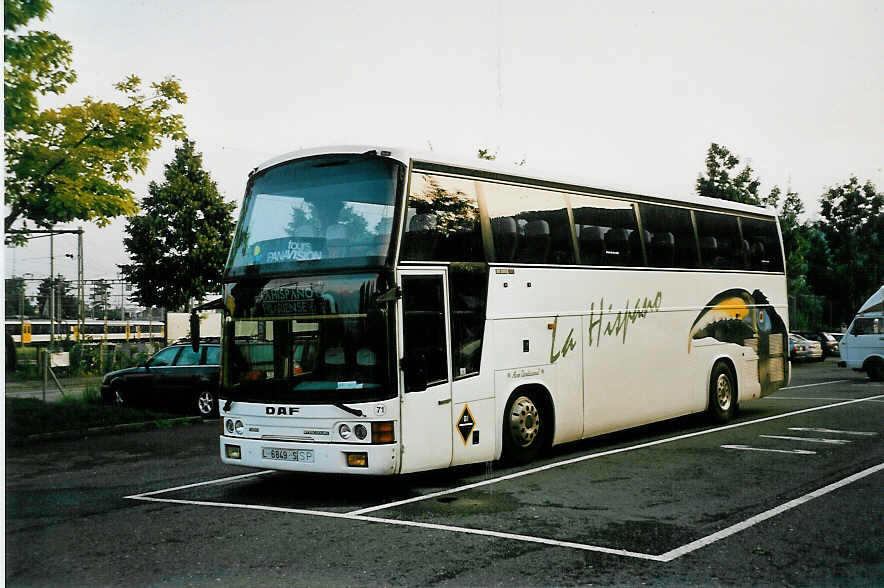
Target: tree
{"x":68,"y":163}
{"x":722,"y":180}
{"x":99,"y":297}
{"x":852,"y":224}
{"x":65,"y":303}
{"x":16,"y":299}
{"x":179,"y":244}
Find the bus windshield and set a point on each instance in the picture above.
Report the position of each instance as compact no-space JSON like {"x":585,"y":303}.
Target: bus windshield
{"x":333,"y":211}
{"x":320,"y":339}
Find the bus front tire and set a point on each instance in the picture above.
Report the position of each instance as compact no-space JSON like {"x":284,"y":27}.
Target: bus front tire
{"x":722,"y":393}
{"x":524,"y":428}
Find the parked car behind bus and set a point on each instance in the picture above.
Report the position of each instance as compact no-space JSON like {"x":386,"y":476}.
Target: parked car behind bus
{"x":175,"y":378}
{"x":826,"y":340}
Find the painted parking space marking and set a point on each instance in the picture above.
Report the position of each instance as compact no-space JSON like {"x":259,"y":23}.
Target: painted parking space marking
{"x":768,"y":514}
{"x":748,"y":448}
{"x":833,"y":431}
{"x":813,"y":385}
{"x":360,"y":515}
{"x":198,"y":484}
{"x":604,"y":454}
{"x":663,"y":558}
{"x":809,"y":439}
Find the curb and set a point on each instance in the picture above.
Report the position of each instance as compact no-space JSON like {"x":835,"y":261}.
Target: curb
{"x":110,"y":430}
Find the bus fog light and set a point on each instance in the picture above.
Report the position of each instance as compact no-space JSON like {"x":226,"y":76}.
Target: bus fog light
{"x":361,"y":432}
{"x":239,"y":427}
{"x":357,"y":460}
{"x":228,"y":424}
{"x":232,"y":452}
{"x":344,"y":431}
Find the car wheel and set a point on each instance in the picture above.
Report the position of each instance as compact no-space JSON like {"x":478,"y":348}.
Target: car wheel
{"x":206,"y":404}
{"x":722,"y":393}
{"x":524,"y":428}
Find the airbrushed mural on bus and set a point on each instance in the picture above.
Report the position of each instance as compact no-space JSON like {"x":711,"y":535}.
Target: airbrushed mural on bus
{"x":388,"y":312}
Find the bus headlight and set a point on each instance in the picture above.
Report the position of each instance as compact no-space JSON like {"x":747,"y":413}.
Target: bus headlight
{"x":344,"y":431}
{"x":361,"y":432}
{"x":228,"y":425}
{"x":239,"y":427}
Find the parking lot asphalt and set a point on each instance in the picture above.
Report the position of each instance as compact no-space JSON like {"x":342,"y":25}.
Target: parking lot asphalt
{"x":788,"y":493}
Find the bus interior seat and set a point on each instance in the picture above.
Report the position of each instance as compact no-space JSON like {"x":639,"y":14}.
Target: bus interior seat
{"x":420,"y":239}
{"x":592,"y":245}
{"x":537,"y":241}
{"x":617,"y":247}
{"x":662,"y":250}
{"x":709,"y":251}
{"x":635,"y":247}
{"x":561,"y":246}
{"x":506,"y":238}
{"x":336,"y":240}
{"x":757,"y":254}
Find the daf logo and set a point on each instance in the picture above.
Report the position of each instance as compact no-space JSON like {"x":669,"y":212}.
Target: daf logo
{"x":282,"y":410}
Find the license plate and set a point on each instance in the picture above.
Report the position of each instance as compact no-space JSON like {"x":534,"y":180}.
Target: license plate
{"x":300,"y":455}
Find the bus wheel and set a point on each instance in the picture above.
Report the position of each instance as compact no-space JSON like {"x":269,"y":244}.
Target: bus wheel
{"x":876,"y":370}
{"x":206,"y":404}
{"x":523,"y":428}
{"x":722,"y":393}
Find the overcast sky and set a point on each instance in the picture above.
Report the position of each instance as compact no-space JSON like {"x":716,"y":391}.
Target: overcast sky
{"x":620,"y":93}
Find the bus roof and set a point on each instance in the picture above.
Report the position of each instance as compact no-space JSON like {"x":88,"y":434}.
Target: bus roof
{"x":511,"y":172}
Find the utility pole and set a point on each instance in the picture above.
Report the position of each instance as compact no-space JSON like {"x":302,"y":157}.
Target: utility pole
{"x":52,"y":290}
{"x":81,"y":286}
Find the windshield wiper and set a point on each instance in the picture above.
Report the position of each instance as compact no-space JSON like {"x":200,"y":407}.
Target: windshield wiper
{"x":345,"y":408}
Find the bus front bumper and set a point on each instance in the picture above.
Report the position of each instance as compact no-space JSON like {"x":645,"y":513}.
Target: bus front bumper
{"x":326,"y":458}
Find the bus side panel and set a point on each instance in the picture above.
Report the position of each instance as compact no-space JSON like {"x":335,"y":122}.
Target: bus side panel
{"x":636,"y":371}
{"x":543,"y":352}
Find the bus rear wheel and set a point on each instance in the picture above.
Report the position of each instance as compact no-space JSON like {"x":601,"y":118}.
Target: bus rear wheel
{"x":722,"y":393}
{"x":524,"y":424}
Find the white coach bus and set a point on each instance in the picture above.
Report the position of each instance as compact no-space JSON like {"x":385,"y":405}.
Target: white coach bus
{"x":387,"y":312}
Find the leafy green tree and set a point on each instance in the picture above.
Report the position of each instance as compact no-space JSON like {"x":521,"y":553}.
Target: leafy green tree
{"x":852,"y":224}
{"x":179,"y":244}
{"x":16,"y":298}
{"x":68,"y":163}
{"x":65,"y":303}
{"x":722,"y":180}
{"x":99,"y":297}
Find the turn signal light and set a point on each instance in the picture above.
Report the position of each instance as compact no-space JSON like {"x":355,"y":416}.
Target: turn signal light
{"x":382,"y":432}
{"x":357,"y":460}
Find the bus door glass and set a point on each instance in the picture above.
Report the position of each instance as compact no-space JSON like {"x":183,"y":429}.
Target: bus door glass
{"x":426,"y":370}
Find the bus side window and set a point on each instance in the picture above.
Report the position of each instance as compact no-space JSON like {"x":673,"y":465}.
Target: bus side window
{"x":725,"y":231}
{"x":506,"y":238}
{"x":592,"y":245}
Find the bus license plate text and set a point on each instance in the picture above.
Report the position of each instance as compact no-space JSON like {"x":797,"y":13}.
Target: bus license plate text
{"x":302,"y":455}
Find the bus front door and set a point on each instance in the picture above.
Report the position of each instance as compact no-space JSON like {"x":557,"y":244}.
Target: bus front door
{"x":425,"y":370}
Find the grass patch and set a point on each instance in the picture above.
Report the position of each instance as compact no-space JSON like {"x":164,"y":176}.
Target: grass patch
{"x":31,"y":416}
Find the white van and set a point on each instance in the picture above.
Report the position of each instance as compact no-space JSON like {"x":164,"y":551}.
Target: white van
{"x":862,"y":346}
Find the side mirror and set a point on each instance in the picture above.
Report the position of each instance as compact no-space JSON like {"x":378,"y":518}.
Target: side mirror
{"x":415,"y":367}
{"x":194,"y":331}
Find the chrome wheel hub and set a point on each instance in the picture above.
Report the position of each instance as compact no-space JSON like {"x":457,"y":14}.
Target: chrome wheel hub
{"x":524,"y":421}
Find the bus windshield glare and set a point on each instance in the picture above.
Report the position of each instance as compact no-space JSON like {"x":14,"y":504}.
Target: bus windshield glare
{"x":333,"y":211}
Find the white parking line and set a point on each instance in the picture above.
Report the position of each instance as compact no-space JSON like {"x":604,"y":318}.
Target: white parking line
{"x":734,"y":529}
{"x":833,"y":431}
{"x":664,"y":558}
{"x":359,"y":515}
{"x":209,"y":483}
{"x":747,"y":448}
{"x":812,"y":385}
{"x":809,"y":439}
{"x":602,"y":454}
